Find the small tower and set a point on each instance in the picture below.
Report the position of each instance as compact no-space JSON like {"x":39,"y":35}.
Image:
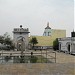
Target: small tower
{"x":73,"y":34}
{"x":19,"y":35}
{"x":47,"y":31}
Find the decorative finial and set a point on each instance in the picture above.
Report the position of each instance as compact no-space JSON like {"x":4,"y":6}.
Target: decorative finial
{"x":73,"y":30}
{"x":20,"y":26}
{"x":47,"y":24}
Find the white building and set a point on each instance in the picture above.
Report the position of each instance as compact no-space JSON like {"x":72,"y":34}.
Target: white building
{"x":67,"y":44}
{"x":47,"y":31}
{"x":20,"y":36}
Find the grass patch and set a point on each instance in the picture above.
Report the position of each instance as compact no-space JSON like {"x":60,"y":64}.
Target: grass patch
{"x":30,"y":59}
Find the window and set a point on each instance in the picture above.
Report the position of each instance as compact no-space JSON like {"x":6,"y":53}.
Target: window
{"x":45,"y":33}
{"x":48,"y":33}
{"x":20,"y":32}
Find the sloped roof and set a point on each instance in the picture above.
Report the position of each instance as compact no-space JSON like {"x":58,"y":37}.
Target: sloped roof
{"x":47,"y":27}
{"x":48,"y":40}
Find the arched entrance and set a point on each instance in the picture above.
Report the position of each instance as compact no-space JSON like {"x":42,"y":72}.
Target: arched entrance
{"x":20,"y":43}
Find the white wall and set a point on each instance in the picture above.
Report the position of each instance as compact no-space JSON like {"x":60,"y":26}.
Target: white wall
{"x":25,"y":35}
{"x":64,"y":44}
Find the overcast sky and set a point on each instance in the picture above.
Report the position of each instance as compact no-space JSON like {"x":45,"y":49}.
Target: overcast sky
{"x":34,"y":14}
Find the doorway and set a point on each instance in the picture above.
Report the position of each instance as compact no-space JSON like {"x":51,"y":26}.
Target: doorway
{"x":69,"y":47}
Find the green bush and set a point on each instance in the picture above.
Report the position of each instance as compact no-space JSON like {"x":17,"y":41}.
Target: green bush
{"x":7,"y":58}
{"x":55,"y":44}
{"x":33,"y":59}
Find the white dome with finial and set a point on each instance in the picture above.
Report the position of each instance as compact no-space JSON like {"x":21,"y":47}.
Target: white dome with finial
{"x":47,"y":31}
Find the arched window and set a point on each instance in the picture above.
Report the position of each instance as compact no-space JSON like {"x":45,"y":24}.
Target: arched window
{"x":48,"y":33}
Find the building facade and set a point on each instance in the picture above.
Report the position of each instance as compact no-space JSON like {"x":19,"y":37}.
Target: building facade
{"x":21,"y":37}
{"x":67,"y":44}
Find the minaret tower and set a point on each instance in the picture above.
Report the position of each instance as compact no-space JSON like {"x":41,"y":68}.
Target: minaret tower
{"x":47,"y":31}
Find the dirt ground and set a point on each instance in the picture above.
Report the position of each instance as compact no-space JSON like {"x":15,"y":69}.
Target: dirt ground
{"x":37,"y":69}
{"x":64,"y":57}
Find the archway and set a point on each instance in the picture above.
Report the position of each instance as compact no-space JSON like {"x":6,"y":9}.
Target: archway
{"x":20,"y":43}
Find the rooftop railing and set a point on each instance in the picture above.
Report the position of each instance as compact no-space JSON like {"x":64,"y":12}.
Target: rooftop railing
{"x":20,"y":30}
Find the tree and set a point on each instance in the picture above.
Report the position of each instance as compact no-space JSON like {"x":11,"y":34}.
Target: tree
{"x":55,"y":44}
{"x":6,"y":35}
{"x":6,"y":40}
{"x":1,"y":39}
{"x":33,"y":41}
{"x":9,"y":43}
